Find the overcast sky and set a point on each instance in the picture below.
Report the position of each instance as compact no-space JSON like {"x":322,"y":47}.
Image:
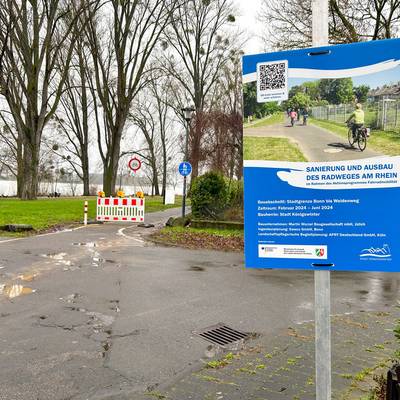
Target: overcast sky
{"x":248,"y":10}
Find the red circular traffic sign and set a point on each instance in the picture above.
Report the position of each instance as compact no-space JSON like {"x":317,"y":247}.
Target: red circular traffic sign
{"x":134,"y":164}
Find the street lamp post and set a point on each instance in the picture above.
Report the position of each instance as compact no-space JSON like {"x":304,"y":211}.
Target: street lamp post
{"x":187,"y":115}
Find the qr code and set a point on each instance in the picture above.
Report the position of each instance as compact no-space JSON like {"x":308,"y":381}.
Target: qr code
{"x":272,"y":81}
{"x":272,"y":76}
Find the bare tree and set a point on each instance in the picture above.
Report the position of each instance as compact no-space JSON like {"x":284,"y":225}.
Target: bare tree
{"x":289,"y":22}
{"x":10,"y":145}
{"x":199,"y":40}
{"x":160,"y":90}
{"x":74,"y":115}
{"x":157,"y":123}
{"x":121,"y":66}
{"x":145,"y":119}
{"x":228,"y":132}
{"x":40,"y":40}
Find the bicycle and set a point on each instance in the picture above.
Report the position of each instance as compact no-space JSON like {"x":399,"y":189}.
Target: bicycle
{"x":360,"y":136}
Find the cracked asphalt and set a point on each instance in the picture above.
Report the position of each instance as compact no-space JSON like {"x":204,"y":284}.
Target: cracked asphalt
{"x":99,"y":313}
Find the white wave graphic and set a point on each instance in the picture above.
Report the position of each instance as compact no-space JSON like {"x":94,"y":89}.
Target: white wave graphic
{"x":332,"y":73}
{"x":377,"y":252}
{"x":376,"y":255}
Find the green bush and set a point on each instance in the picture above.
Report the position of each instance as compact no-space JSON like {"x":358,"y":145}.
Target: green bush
{"x":209,"y":195}
{"x":235,"y":193}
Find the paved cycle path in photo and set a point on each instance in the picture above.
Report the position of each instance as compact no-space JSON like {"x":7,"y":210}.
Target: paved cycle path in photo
{"x":317,"y":144}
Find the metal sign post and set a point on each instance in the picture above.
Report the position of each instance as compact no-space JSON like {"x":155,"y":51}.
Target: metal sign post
{"x":322,"y":279}
{"x":185,"y":169}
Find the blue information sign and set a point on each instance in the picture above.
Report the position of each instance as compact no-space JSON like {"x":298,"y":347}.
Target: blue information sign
{"x":332,"y":200}
{"x":185,"y":168}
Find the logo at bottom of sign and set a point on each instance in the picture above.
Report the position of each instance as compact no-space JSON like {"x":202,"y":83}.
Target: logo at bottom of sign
{"x":312,"y":252}
{"x":376,"y":253}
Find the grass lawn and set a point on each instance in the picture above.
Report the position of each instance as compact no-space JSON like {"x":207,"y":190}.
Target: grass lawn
{"x":270,"y":120}
{"x":385,"y":142}
{"x":268,"y":148}
{"x":206,"y":238}
{"x":43,"y":214}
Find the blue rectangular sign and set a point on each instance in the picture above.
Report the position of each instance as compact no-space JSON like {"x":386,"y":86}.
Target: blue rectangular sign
{"x":321,"y":169}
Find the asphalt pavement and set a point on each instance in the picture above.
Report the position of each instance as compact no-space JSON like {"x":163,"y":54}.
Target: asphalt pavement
{"x":99,"y":313}
{"x":317,"y":144}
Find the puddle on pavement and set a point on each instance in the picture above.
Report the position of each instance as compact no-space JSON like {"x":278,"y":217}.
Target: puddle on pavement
{"x":59,"y":258}
{"x":12,"y":291}
{"x":27,"y":277}
{"x":85,"y":244}
{"x":103,"y":319}
{"x":95,"y":256}
{"x":55,"y":256}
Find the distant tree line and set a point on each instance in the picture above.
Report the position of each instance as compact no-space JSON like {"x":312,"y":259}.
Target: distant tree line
{"x":250,"y":105}
{"x":312,"y":93}
{"x":326,"y":91}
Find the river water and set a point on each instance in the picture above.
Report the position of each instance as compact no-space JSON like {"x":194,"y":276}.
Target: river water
{"x":9,"y":188}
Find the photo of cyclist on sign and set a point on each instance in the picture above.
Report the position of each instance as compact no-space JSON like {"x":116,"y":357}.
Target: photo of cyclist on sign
{"x":357,"y":132}
{"x":309,"y":124}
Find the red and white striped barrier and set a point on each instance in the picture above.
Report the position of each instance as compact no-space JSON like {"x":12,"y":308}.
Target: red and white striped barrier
{"x":117,"y":209}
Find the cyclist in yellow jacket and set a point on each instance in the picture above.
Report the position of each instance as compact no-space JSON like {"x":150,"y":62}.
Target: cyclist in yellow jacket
{"x":358,"y":119}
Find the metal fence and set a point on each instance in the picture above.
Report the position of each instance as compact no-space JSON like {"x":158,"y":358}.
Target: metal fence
{"x":382,"y":114}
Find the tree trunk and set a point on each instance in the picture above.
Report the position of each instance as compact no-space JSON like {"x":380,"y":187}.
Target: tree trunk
{"x":164,"y":173}
{"x":29,"y":190}
{"x":20,"y":166}
{"x":155,"y":181}
{"x":110,"y":169}
{"x":109,"y":179}
{"x":85,"y":174}
{"x":85,"y":123}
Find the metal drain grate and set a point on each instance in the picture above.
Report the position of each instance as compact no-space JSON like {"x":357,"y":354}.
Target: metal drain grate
{"x":221,"y":334}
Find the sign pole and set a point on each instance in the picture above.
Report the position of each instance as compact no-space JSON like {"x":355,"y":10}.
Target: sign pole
{"x":184,"y":178}
{"x":322,"y":279}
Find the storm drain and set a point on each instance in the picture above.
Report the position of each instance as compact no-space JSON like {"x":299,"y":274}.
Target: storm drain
{"x":221,"y":334}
